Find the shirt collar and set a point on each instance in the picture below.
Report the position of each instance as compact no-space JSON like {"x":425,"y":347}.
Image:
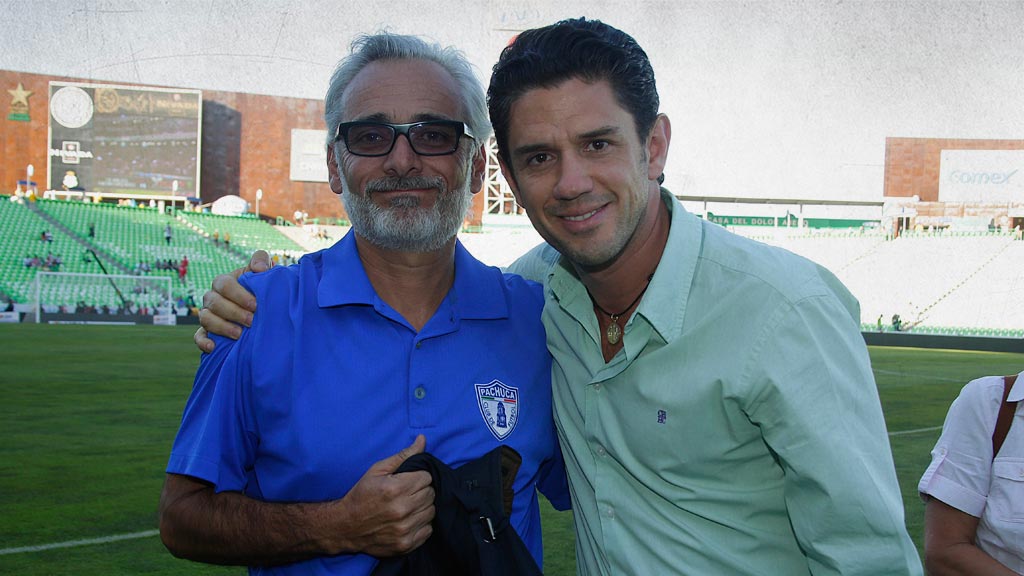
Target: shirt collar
{"x":664,"y":303}
{"x":1017,"y":391}
{"x":478,"y":291}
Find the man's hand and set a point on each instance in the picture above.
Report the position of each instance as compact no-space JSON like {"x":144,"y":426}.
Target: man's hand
{"x":228,"y":306}
{"x":387,"y":514}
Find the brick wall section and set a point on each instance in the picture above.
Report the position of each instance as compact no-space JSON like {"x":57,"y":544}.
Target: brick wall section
{"x":912,"y":164}
{"x":246,"y":144}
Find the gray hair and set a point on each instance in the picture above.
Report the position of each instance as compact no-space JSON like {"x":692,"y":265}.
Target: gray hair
{"x":387,"y":46}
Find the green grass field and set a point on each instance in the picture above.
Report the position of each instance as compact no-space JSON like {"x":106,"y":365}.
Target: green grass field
{"x":88,"y":413}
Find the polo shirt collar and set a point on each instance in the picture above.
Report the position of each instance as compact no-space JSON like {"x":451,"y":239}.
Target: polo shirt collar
{"x":478,"y":291}
{"x":664,"y":304}
{"x":1017,"y":391}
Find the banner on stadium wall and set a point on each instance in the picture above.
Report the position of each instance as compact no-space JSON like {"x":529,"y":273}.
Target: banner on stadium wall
{"x":124,"y":140}
{"x":9,"y":317}
{"x":788,"y":221}
{"x":983,"y":176}
{"x":308,"y":156}
{"x":791,"y":221}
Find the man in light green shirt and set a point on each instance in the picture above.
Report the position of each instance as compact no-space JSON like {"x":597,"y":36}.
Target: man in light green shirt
{"x":713,"y":396}
{"x":737,"y":430}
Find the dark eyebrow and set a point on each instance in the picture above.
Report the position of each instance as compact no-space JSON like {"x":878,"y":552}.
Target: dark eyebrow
{"x":529,"y":149}
{"x":596,"y":133}
{"x":599,"y":132}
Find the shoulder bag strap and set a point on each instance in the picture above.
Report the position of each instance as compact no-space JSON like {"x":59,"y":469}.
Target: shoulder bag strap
{"x":1005,"y":418}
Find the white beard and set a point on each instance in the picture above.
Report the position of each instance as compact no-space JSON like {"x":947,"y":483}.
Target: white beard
{"x":404,"y":225}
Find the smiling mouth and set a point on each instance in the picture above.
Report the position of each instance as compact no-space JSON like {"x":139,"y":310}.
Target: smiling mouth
{"x":581,"y":217}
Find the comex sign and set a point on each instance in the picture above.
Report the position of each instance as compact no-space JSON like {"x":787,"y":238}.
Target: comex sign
{"x":981,"y":176}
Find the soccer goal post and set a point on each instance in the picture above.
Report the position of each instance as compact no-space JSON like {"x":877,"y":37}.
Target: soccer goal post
{"x":108,"y":294}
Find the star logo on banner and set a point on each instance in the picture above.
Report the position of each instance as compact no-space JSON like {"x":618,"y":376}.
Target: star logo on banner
{"x":20,"y":95}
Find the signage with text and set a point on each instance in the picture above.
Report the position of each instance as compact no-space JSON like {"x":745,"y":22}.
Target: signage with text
{"x":983,"y":176}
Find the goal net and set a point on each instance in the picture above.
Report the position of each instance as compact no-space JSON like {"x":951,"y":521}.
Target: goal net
{"x":101,"y":294}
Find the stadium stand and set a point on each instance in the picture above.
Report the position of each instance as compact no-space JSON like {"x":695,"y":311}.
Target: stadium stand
{"x":966,"y":283}
{"x":246,"y":233}
{"x":23,"y":252}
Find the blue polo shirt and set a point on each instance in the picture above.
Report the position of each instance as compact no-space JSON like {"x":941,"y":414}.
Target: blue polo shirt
{"x":330,"y":379}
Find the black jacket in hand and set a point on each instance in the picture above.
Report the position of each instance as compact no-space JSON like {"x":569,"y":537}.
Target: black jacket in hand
{"x":471,"y":534}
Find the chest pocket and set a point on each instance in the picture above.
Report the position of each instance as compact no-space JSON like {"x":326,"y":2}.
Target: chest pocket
{"x":1006,"y":494}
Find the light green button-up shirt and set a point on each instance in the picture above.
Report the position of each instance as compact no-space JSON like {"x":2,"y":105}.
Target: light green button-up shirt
{"x":739,"y":429}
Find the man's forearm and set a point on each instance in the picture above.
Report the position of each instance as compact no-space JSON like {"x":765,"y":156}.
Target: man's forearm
{"x":230,"y":528}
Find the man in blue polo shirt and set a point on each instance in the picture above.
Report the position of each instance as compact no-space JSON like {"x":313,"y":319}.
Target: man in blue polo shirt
{"x":361,"y":355}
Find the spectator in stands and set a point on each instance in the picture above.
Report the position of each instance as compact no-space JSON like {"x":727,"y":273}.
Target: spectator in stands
{"x":642,"y":298}
{"x":227,"y":239}
{"x":183,"y":269}
{"x":400,"y":279}
{"x":168,"y":234}
{"x":972,"y":488}
{"x":897,"y":322}
{"x":216,"y":238}
{"x":92,"y":230}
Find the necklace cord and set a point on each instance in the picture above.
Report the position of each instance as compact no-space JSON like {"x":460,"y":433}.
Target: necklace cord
{"x":615,"y":317}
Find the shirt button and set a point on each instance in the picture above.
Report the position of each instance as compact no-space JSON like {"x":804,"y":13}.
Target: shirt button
{"x":418,"y":344}
{"x":597,"y":386}
{"x":601,"y":451}
{"x":609,"y":512}
{"x":420,"y":392}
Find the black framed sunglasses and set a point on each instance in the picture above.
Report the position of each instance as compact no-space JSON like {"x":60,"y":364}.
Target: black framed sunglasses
{"x":430,"y":138}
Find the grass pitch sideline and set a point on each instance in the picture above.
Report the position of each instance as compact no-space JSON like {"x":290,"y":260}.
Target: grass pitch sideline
{"x":87,"y":414}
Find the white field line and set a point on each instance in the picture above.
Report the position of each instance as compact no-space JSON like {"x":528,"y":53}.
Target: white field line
{"x":915,"y":431}
{"x":939,"y":378}
{"x":74,"y":543}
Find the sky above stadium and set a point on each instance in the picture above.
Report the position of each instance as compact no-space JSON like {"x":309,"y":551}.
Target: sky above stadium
{"x":783,"y":99}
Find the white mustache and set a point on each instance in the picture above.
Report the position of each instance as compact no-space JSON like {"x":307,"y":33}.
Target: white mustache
{"x":396,"y":184}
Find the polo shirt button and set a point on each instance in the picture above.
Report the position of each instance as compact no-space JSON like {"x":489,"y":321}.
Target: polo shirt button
{"x":418,"y":344}
{"x":601,"y":451}
{"x":420,"y":392}
{"x":609,"y":512}
{"x":597,"y":386}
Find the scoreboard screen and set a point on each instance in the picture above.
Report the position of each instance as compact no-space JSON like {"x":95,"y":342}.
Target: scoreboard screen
{"x":124,"y":140}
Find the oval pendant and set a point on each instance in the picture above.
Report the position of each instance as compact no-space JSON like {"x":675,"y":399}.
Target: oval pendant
{"x":614,"y":333}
